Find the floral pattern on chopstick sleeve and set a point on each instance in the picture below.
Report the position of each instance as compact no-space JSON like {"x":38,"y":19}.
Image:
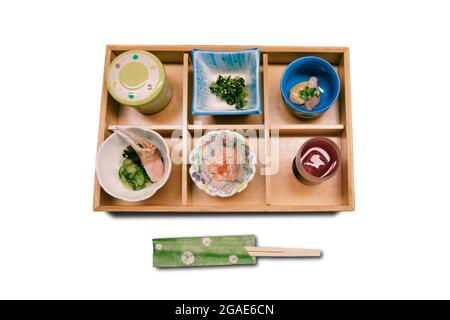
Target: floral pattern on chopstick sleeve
{"x":202,"y":251}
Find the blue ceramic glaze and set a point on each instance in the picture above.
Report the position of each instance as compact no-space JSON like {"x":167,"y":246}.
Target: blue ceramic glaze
{"x":301,"y":70}
{"x":207,"y":65}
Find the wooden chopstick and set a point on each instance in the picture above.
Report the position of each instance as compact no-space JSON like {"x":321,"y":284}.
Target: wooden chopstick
{"x":282,"y":252}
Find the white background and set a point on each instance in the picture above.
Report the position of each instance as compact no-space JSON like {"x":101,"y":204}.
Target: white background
{"x":394,"y":246}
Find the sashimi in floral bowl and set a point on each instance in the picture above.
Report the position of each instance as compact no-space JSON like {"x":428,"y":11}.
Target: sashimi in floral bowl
{"x":222,"y":163}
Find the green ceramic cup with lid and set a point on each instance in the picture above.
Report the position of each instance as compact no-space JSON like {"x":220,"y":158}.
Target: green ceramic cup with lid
{"x":137,"y":79}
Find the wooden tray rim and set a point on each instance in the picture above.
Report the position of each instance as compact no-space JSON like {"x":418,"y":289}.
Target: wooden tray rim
{"x":345,"y":128}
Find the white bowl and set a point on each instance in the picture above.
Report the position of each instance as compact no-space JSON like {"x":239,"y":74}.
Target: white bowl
{"x":109,"y":160}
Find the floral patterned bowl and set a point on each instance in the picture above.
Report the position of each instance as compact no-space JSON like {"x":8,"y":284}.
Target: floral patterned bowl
{"x":205,"y":150}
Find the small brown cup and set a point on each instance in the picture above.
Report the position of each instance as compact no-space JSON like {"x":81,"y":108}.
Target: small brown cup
{"x":324,"y":170}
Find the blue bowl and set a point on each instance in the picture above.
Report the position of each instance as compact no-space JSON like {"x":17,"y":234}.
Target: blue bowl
{"x":207,"y":65}
{"x":301,"y":70}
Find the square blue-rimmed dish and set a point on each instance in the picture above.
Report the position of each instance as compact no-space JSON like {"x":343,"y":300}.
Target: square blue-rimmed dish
{"x":209,"y":64}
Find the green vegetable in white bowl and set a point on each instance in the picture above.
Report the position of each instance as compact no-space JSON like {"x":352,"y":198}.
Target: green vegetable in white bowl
{"x":124,"y":178}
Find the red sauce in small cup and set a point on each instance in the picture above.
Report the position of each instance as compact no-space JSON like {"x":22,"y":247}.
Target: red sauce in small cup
{"x":318,"y":157}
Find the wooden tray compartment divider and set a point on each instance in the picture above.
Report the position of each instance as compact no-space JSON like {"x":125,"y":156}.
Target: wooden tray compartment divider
{"x":276,"y":128}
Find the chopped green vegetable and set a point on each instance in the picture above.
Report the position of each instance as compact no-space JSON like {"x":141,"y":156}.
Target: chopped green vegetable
{"x":130,"y":154}
{"x":132,"y":173}
{"x":231,"y":90}
{"x":127,"y":161}
{"x":308,"y":93}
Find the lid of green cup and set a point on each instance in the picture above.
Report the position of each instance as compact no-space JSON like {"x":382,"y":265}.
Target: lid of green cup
{"x":135,"y":77}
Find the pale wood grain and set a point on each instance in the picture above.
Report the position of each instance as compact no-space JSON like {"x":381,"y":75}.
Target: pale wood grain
{"x":287,"y":190}
{"x":185,"y":188}
{"x":227,"y":127}
{"x":348,"y":189}
{"x":163,"y":129}
{"x":229,"y":209}
{"x":309,"y":129}
{"x":267,"y":121}
{"x":106,"y":109}
{"x":282,"y":252}
{"x":278,"y":193}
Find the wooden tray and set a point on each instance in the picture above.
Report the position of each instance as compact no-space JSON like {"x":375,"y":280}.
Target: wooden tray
{"x":280,"y":192}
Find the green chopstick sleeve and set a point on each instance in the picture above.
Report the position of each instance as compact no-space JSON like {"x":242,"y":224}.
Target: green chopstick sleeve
{"x":203,"y":251}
